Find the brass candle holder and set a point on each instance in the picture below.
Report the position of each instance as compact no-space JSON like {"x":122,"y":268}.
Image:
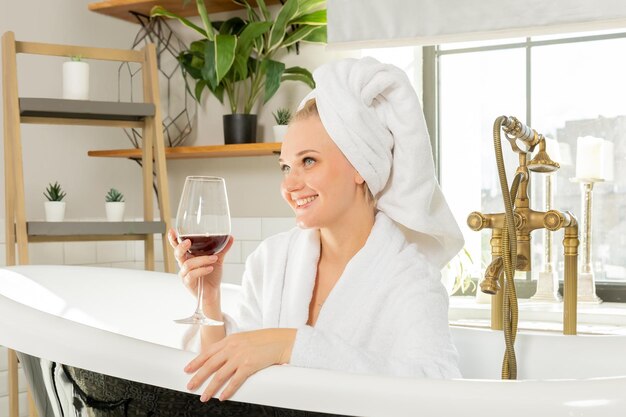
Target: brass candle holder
{"x":586,"y":277}
{"x":548,"y":278}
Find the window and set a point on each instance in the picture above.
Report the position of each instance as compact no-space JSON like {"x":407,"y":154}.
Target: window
{"x":563,"y":87}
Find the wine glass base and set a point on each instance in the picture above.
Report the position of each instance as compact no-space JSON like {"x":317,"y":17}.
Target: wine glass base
{"x":200,"y":319}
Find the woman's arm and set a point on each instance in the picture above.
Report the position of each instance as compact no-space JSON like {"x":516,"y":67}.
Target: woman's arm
{"x":238,"y":356}
{"x":209,"y":269}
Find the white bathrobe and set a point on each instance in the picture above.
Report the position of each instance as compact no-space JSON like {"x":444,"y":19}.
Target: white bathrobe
{"x":386,"y":315}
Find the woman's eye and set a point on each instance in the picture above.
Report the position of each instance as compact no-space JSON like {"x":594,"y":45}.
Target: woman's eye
{"x":284,"y":169}
{"x":308,"y":161}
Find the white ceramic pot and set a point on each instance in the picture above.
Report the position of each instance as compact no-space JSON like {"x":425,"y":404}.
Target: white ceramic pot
{"x":76,"y":80}
{"x":279,"y":132}
{"x":55,"y":211}
{"x":115,"y":211}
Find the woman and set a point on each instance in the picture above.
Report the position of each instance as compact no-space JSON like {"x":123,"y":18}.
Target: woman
{"x":356,"y":286}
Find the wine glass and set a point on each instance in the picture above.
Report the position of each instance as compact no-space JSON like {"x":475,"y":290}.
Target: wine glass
{"x":203,"y":218}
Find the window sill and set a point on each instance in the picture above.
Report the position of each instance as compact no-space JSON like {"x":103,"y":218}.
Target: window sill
{"x":605,"y":318}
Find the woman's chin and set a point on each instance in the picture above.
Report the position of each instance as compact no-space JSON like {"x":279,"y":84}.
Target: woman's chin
{"x":305,"y":223}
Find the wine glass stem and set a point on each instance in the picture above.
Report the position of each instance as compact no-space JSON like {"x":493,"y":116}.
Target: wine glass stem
{"x":199,"y":308}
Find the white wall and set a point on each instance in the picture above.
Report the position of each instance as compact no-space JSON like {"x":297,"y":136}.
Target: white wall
{"x":59,"y":153}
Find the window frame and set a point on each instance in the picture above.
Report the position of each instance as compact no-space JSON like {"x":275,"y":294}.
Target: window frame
{"x":608,"y":291}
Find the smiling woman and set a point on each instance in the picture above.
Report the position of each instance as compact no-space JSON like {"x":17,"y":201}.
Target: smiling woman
{"x":356,"y":286}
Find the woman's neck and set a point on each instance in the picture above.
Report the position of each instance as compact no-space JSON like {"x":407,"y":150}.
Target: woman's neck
{"x":341,"y":241}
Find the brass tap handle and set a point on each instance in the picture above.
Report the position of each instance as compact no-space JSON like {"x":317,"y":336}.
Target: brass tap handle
{"x":477,"y":221}
{"x":554,"y":220}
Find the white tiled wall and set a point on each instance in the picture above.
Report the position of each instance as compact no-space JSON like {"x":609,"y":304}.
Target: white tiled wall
{"x":248,"y":233}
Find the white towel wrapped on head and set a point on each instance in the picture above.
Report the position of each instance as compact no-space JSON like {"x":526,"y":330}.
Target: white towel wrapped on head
{"x":372,"y":113}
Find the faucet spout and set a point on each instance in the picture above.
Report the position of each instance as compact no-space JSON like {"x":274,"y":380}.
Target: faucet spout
{"x":490,"y":284}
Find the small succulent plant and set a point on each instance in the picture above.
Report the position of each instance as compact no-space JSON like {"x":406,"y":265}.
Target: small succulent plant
{"x":282,"y":116}
{"x":54,"y":192}
{"x":114,"y":196}
{"x":77,"y":58}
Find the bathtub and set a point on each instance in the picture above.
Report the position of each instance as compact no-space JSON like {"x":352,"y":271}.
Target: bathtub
{"x":119,"y":322}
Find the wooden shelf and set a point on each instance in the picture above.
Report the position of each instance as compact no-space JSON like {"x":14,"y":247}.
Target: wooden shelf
{"x":61,"y":111}
{"x":121,"y":9}
{"x":190,"y":152}
{"x":88,"y":231}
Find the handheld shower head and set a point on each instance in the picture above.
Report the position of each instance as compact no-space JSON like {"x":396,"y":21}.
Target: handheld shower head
{"x":522,"y":138}
{"x":542,"y":161}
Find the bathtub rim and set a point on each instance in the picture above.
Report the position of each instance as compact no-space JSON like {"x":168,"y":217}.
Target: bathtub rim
{"x":290,"y":387}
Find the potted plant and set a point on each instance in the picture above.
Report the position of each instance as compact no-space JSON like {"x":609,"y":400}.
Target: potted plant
{"x":282,"y":116}
{"x":457,"y":275}
{"x":114,"y":205}
{"x":54,"y":207}
{"x":76,"y":79}
{"x":237,"y":57}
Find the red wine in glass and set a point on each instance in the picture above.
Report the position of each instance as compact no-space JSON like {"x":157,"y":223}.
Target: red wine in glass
{"x":203,"y":217}
{"x":203,"y":245}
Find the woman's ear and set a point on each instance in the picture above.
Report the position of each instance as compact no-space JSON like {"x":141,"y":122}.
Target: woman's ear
{"x":358,"y":178}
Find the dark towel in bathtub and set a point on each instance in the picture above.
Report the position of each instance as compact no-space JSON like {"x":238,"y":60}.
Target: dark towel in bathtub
{"x":82,"y":393}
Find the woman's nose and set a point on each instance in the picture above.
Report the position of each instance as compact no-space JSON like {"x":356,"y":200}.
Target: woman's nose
{"x":292,"y":182}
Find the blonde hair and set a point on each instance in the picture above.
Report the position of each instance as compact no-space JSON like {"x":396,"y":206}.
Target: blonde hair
{"x":310,"y":109}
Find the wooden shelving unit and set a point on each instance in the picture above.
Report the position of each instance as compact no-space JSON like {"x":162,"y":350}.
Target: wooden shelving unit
{"x":124,"y":9}
{"x":196,"y":152}
{"x":18,"y":110}
{"x":91,"y":231}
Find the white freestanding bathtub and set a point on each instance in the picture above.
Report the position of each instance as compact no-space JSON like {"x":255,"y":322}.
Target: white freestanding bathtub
{"x":119,"y":322}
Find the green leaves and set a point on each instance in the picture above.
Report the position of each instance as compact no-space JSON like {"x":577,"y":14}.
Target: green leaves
{"x":54,"y":192}
{"x":315,"y":18}
{"x":299,"y":74}
{"x":308,"y":5}
{"x":236,"y":56}
{"x":286,"y":14}
{"x":274,"y":71}
{"x":247,"y":38}
{"x":114,"y":196}
{"x":204,"y":16}
{"x":160,"y":11}
{"x":219,"y":56}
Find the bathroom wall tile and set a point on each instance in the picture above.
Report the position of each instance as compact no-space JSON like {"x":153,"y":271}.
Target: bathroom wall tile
{"x":158,"y":248}
{"x":139,"y":250}
{"x":45,"y":253}
{"x":130,"y":250}
{"x":4,"y":384}
{"x":128,"y":265}
{"x":79,"y":253}
{"x":159,"y":266}
{"x":246,"y":228}
{"x":3,"y":358}
{"x":233,"y":273}
{"x":273,"y":225}
{"x":108,"y":252}
{"x":247,"y":247}
{"x":23,"y":403}
{"x":234,"y":254}
{"x":3,"y":254}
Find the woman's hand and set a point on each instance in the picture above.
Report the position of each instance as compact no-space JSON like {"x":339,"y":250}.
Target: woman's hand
{"x":237,"y":357}
{"x":194,"y":267}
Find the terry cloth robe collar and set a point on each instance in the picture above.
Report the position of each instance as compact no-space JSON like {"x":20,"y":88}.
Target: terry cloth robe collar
{"x":301,"y":271}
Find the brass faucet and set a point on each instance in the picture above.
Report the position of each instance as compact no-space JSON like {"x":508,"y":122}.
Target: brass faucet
{"x":510,"y":238}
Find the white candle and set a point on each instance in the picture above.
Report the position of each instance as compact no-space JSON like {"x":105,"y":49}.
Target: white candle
{"x":589,"y":157}
{"x":607,"y":159}
{"x":553,"y":150}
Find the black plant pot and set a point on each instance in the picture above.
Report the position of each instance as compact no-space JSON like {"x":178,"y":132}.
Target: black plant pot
{"x":239,"y":128}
